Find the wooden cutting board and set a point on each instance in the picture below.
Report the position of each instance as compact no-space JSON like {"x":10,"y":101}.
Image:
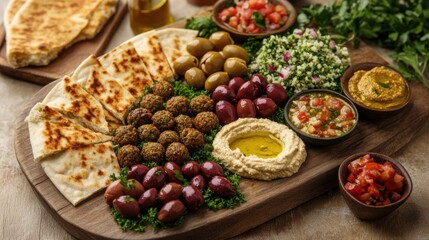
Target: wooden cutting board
{"x":68,"y":59}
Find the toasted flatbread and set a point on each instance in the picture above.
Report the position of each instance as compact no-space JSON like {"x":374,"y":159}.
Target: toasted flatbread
{"x":126,"y":66}
{"x":12,"y":8}
{"x":51,"y":132}
{"x":69,"y":98}
{"x":80,"y":172}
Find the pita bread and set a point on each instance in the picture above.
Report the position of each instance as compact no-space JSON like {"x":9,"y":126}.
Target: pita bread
{"x":51,"y":132}
{"x":80,"y":172}
{"x":73,"y":101}
{"x":42,"y":28}
{"x":12,"y":8}
{"x":126,"y":66}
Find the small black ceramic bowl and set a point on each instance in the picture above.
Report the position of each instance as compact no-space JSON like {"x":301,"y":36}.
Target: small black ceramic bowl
{"x":314,"y":139}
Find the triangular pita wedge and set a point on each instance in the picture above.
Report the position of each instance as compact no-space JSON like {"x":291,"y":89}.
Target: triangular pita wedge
{"x":80,"y":172}
{"x":126,"y":66}
{"x":12,"y":8}
{"x":112,"y":122}
{"x":69,"y":98}
{"x":51,"y":132}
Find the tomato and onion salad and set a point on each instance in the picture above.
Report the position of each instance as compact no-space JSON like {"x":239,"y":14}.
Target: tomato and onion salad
{"x":254,"y":16}
{"x":322,"y":115}
{"x":374,"y":183}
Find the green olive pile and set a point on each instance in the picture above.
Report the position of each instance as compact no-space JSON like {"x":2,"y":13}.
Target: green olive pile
{"x":212,"y":62}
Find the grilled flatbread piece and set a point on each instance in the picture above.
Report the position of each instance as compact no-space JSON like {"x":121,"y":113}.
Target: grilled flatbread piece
{"x":12,"y":8}
{"x":80,"y":172}
{"x":126,"y":66}
{"x":51,"y":132}
{"x":42,"y":28}
{"x":150,"y":50}
{"x":69,"y":98}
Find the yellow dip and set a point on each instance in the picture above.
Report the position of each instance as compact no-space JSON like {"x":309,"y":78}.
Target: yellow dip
{"x":379,"y":88}
{"x":260,"y":144}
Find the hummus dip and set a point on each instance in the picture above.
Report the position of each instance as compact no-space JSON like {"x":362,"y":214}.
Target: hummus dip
{"x":379,"y":88}
{"x":259,"y":149}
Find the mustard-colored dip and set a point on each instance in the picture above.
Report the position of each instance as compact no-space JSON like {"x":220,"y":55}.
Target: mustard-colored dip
{"x":260,"y":144}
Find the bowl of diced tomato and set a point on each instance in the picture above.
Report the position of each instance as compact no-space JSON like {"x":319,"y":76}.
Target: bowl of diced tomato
{"x":373,"y":185}
{"x":253,"y":18}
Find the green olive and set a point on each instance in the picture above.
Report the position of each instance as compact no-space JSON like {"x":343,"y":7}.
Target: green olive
{"x":183,"y":63}
{"x":211,"y":62}
{"x":235,"y":51}
{"x":235,"y":67}
{"x":194,"y":77}
{"x":216,"y":79}
{"x":220,"y":39}
{"x":199,"y":46}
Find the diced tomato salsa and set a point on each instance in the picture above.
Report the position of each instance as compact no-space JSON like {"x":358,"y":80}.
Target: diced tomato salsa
{"x":322,"y":115}
{"x":254,"y":16}
{"x":374,"y":183}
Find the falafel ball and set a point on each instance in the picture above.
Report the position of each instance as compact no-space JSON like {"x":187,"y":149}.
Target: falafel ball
{"x":128,"y":156}
{"x":148,"y":132}
{"x":177,"y":105}
{"x":182,"y":122}
{"x":206,"y":121}
{"x":126,"y":135}
{"x":201,"y":103}
{"x":192,"y":138}
{"x":177,"y":152}
{"x":163,"y":120}
{"x":167,"y":137}
{"x":139,"y":116}
{"x":163,"y":89}
{"x":152,"y":102}
{"x":152,"y":152}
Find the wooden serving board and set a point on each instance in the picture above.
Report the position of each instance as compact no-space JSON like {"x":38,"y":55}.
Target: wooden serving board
{"x":68,"y":59}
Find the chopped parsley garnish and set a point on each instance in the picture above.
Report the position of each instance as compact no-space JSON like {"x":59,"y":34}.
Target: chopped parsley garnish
{"x":383,"y":85}
{"x":259,"y":20}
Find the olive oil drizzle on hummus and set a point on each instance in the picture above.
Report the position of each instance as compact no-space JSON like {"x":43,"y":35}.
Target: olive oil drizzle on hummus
{"x":260,"y":144}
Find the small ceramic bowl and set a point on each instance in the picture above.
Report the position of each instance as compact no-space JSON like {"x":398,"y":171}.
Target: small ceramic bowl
{"x":239,"y":36}
{"x":315,"y":140}
{"x":369,"y":212}
{"x":364,"y":110}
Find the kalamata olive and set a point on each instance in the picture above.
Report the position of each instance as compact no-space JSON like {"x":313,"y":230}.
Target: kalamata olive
{"x":235,"y":67}
{"x":173,"y":171}
{"x":184,"y":63}
{"x":223,"y":92}
{"x":277,"y":93}
{"x":211,"y":62}
{"x":127,"y":206}
{"x":114,"y":190}
{"x":149,"y":199}
{"x":191,"y":169}
{"x":235,"y":83}
{"x":221,"y":186}
{"x":155,"y":178}
{"x":137,"y":172}
{"x":170,"y":191}
{"x":246,"y":108}
{"x":134,"y":188}
{"x":171,"y":211}
{"x":199,"y":182}
{"x":220,"y":39}
{"x":248,"y":90}
{"x":195,"y":77}
{"x":216,"y":79}
{"x":226,"y":112}
{"x":261,"y":81}
{"x":192,"y":198}
{"x":265,"y":106}
{"x":199,"y":46}
{"x":235,"y":51}
{"x":210,"y":169}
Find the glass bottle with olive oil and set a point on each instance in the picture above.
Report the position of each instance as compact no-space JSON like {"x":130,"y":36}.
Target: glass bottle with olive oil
{"x":146,"y":15}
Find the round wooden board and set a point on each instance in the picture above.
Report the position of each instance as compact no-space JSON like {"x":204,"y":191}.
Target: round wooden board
{"x":265,"y":200}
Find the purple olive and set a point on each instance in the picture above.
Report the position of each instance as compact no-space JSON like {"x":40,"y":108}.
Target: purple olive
{"x":127,"y":206}
{"x":171,"y":211}
{"x":248,"y":90}
{"x":226,"y":112}
{"x":246,"y":109}
{"x":223,"y":92}
{"x":155,"y":178}
{"x":114,"y":190}
{"x":137,"y":172}
{"x":277,"y":93}
{"x":149,"y":199}
{"x":265,"y":106}
{"x":135,"y":188}
{"x":199,"y":182}
{"x":192,"y":198}
{"x":221,"y":186}
{"x":170,"y":191}
{"x":173,"y":171}
{"x":210,"y":169}
{"x":190,"y":169}
{"x":235,"y":83}
{"x":260,"y":81}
